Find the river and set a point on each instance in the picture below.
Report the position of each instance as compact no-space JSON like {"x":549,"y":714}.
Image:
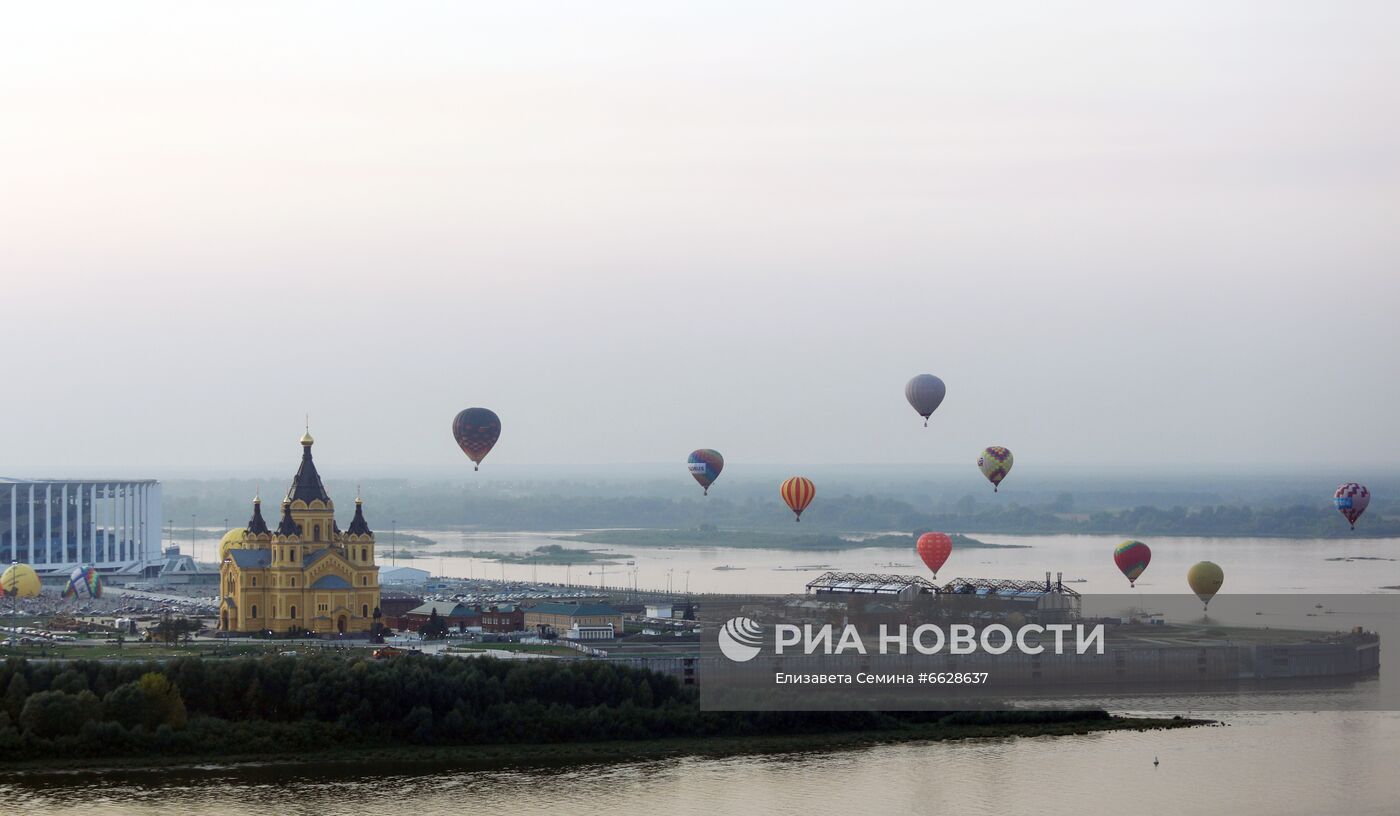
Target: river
{"x":1257,"y":763}
{"x":1252,"y":565}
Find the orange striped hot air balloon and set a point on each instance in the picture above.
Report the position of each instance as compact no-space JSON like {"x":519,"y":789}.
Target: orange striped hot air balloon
{"x":798,"y":492}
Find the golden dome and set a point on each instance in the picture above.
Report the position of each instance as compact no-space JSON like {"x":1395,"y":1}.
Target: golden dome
{"x":306,"y":439}
{"x":231,"y":539}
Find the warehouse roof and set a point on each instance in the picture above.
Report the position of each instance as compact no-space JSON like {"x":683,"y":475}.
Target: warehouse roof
{"x":574,"y":610}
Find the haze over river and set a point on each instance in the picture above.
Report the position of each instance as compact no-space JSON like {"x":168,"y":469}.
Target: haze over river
{"x":1259,"y":763}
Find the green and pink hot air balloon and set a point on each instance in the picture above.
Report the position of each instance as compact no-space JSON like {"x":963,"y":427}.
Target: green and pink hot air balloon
{"x":1132,"y":557}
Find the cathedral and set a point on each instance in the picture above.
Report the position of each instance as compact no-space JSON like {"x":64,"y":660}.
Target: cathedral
{"x":305,"y":574}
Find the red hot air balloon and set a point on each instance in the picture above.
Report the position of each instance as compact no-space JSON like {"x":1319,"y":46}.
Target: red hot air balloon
{"x":934,"y":549}
{"x":476,"y":431}
{"x":1352,"y":500}
{"x":798,"y":492}
{"x":1132,"y":557}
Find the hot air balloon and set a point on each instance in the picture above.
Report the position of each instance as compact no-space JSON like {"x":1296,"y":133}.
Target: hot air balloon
{"x":1352,"y":499}
{"x":925,"y":392}
{"x":798,"y":492}
{"x":1132,"y":557}
{"x":995,"y":462}
{"x":83,"y":581}
{"x":705,"y":465}
{"x":19,"y":581}
{"x":1205,"y":579}
{"x":476,"y":431}
{"x":934,"y":549}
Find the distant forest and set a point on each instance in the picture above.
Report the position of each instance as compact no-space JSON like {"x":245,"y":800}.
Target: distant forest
{"x":277,"y":706}
{"x":571,"y":506}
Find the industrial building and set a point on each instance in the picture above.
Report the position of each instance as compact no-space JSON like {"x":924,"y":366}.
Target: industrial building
{"x":55,"y":525}
{"x":861,"y":583}
{"x":1046,"y":599}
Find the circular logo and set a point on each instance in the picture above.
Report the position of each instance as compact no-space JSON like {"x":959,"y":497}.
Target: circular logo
{"x":740,"y":639}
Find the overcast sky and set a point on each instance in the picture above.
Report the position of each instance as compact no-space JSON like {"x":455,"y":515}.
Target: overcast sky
{"x":1162,"y":233}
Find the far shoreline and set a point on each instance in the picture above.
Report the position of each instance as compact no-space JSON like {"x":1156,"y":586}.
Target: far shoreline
{"x":562,"y":754}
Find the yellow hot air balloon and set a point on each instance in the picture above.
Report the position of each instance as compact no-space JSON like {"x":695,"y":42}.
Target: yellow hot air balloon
{"x":1205,"y":579}
{"x":19,"y":581}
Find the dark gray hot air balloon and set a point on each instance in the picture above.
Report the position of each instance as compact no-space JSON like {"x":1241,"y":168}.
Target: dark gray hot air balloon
{"x":925,"y":392}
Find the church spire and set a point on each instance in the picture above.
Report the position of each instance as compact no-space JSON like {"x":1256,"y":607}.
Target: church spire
{"x":306,"y":485}
{"x":358,"y":525}
{"x":256,"y":525}
{"x":288,"y":525}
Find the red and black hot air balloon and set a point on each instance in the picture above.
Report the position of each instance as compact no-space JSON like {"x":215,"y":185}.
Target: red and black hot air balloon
{"x":476,"y":431}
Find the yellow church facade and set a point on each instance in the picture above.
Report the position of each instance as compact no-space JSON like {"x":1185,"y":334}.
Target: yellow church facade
{"x":305,"y":574}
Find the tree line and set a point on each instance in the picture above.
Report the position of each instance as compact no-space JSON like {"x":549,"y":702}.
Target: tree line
{"x":278,"y":706}
{"x":436,"y":506}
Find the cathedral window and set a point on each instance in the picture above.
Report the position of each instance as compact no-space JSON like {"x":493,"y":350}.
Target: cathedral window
{"x":255,"y":610}
{"x":364,"y":610}
{"x":364,"y":553}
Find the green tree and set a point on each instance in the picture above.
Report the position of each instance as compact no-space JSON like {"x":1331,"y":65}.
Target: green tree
{"x":149,"y":702}
{"x":435,"y":627}
{"x":15,"y":695}
{"x":50,"y":714}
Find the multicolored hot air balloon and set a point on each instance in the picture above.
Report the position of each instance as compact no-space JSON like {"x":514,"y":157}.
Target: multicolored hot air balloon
{"x":925,"y":392}
{"x":1352,"y":500}
{"x":476,"y":431}
{"x":1132,"y":557}
{"x":83,"y":580}
{"x":798,"y":492}
{"x":19,"y":581}
{"x":1205,"y":579}
{"x":705,"y":465}
{"x":995,"y":462}
{"x":934,"y":549}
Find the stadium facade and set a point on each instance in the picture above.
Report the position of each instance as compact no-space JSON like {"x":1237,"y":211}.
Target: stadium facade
{"x":55,"y":525}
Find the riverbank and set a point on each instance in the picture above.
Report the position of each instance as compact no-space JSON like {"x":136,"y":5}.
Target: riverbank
{"x":485,"y":757}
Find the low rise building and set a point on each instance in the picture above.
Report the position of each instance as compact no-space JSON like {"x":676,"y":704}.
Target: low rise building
{"x":559,"y":618}
{"x":458,"y":616}
{"x":503,"y":619}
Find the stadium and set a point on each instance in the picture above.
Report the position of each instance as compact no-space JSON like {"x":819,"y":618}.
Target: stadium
{"x":56,"y":525}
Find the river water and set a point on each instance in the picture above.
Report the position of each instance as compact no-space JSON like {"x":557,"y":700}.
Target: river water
{"x":1252,"y":565}
{"x":1256,"y":763}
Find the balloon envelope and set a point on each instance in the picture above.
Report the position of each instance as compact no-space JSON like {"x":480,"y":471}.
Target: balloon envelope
{"x":476,"y":431}
{"x":925,"y":392}
{"x":705,"y":465}
{"x":934,"y":549}
{"x":798,"y":492}
{"x":19,"y":581}
{"x":995,"y":462}
{"x":84,"y":581}
{"x":1132,"y":557}
{"x":1205,"y":579}
{"x":1351,"y":500}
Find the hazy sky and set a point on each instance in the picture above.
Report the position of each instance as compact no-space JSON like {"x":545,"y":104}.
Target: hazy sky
{"x":1159,"y":232}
